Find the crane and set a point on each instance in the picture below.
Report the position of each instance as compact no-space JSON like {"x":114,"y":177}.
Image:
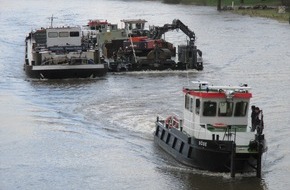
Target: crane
{"x":186,"y":53}
{"x":158,"y":31}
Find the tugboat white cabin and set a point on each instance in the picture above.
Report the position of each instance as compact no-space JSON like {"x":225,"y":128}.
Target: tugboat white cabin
{"x":215,"y":133}
{"x":209,"y":110}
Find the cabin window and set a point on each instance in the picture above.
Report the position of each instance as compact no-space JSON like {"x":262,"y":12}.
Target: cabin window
{"x":197,"y":106}
{"x":225,"y":109}
{"x":114,"y":27}
{"x":209,"y":108}
{"x":138,"y":25}
{"x":191,"y":105}
{"x":52,"y":34}
{"x":186,"y":101}
{"x":74,"y":34}
{"x":241,"y":108}
{"x":63,"y":34}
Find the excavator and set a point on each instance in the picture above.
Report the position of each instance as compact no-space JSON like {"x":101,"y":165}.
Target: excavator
{"x":187,"y":54}
{"x":151,"y":52}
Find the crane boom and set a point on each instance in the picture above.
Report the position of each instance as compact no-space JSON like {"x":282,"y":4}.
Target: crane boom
{"x":158,"y":31}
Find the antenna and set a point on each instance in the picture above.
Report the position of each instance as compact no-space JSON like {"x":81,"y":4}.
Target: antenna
{"x":51,"y":20}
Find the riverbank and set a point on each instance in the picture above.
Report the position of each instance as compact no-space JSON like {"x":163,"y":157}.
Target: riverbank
{"x":229,"y":2}
{"x":267,"y":13}
{"x":270,"y":13}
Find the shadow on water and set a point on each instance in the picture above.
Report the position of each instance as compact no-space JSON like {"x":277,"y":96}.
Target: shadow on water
{"x":64,"y":82}
{"x":187,"y":177}
{"x":209,"y":182}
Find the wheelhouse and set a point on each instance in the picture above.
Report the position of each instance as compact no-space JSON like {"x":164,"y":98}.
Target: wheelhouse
{"x":63,"y":36}
{"x":134,"y":27}
{"x":216,"y":106}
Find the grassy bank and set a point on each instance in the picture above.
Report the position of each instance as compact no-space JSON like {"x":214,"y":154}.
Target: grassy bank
{"x":229,"y":2}
{"x":273,"y":14}
{"x":268,"y":13}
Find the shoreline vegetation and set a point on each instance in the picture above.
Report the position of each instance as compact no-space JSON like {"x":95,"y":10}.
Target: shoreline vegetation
{"x":255,"y":8}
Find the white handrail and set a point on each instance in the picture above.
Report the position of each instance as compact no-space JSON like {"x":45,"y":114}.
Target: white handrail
{"x":193,"y":130}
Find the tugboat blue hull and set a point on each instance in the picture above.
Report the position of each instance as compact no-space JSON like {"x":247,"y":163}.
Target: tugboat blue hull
{"x":209,"y":155}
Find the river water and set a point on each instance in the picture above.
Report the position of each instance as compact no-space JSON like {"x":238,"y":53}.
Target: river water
{"x":97,"y":133}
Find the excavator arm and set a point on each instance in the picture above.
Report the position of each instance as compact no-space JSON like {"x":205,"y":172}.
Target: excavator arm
{"x":158,"y":31}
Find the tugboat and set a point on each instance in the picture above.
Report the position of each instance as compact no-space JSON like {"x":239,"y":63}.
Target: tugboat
{"x":214,"y":134}
{"x":62,"y":52}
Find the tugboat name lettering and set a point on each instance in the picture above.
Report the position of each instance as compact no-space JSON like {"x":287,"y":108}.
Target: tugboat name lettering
{"x":202,"y":143}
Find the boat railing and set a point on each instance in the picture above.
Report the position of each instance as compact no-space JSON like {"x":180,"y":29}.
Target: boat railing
{"x":174,"y":118}
{"x":197,"y":129}
{"x":192,"y":129}
{"x":40,"y":47}
{"x":66,"y":49}
{"x":203,"y":130}
{"x":68,"y":61}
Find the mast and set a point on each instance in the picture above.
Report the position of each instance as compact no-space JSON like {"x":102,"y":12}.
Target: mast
{"x":51,"y":20}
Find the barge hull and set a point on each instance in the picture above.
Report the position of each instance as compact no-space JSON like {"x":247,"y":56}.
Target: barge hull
{"x":62,"y":72}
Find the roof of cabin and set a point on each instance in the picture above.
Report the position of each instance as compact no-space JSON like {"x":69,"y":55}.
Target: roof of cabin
{"x":133,"y":20}
{"x":215,"y":94}
{"x":203,"y":90}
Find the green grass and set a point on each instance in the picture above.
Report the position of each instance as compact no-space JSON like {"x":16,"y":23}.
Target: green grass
{"x":273,"y":13}
{"x":229,"y":2}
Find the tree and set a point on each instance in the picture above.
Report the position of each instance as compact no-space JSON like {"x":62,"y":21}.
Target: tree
{"x":285,"y":2}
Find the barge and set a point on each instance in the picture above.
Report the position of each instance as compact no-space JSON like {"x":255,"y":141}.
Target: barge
{"x":62,"y":52}
{"x":135,"y":48}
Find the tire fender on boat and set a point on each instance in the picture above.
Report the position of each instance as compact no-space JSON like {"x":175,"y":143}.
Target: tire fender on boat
{"x":172,"y":121}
